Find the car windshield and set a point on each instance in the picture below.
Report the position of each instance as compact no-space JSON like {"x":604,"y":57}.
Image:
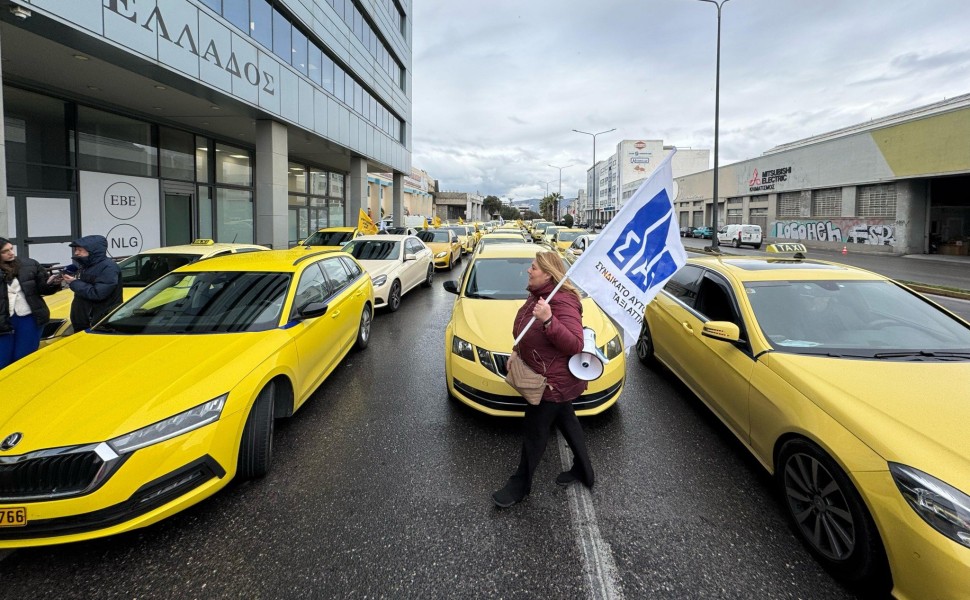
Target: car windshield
{"x":374,"y":250}
{"x":329,"y":238}
{"x":568,"y":236}
{"x":141,"y":269}
{"x":437,"y":235}
{"x":207,"y":302}
{"x":852,"y":318}
{"x":457,"y":230}
{"x":501,"y":278}
{"x":502,"y":240}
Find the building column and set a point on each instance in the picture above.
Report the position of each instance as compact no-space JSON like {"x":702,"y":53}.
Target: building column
{"x":356,"y":191}
{"x":272,"y":152}
{"x":397,"y":200}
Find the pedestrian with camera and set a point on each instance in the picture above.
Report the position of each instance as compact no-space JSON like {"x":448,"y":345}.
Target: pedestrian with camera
{"x":551,"y":340}
{"x":23,"y":312}
{"x":96,"y":284}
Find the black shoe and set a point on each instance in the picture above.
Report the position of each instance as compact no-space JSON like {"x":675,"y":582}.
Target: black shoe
{"x":565,"y":478}
{"x":503,"y":498}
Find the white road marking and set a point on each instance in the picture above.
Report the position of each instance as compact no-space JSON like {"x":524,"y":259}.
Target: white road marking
{"x":598,"y":566}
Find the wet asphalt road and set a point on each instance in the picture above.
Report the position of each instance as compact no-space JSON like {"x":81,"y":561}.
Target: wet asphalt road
{"x":380,"y":489}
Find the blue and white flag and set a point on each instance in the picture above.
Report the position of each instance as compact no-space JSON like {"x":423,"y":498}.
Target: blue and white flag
{"x":635,"y":254}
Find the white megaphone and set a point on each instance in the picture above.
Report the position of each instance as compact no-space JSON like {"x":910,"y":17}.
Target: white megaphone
{"x":588,"y":364}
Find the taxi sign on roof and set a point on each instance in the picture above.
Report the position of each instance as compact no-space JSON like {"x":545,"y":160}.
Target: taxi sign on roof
{"x":203,"y":242}
{"x":786,"y":248}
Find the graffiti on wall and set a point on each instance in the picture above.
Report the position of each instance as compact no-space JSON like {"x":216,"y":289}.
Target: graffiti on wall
{"x":847,"y":231}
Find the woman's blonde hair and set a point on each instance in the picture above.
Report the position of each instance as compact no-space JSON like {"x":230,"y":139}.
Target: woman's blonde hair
{"x":551,"y":264}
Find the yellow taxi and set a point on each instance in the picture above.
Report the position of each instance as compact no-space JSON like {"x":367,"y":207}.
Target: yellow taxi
{"x":851,"y":390}
{"x":562,"y":239}
{"x":506,"y":236}
{"x":478,"y":337}
{"x":136,"y":272}
{"x":445,"y":246}
{"x":331,"y":238}
{"x":183,"y":384}
{"x":466,"y":236}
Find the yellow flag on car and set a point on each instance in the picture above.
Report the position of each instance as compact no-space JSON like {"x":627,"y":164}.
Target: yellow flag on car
{"x":437,"y":221}
{"x":365,"y":224}
{"x":461,"y":221}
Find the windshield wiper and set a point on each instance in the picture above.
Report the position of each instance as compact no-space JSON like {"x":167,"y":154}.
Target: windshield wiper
{"x":921,"y":354}
{"x":105,"y":328}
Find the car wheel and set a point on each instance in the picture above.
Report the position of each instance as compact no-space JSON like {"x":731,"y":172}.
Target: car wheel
{"x":430,"y":278}
{"x":644,"y":346}
{"x":394,"y":297}
{"x":737,"y":243}
{"x":363,"y":331}
{"x":256,"y":445}
{"x":829,"y":515}
{"x":757,"y":246}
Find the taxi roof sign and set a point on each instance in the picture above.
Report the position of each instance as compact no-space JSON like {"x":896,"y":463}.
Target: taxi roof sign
{"x":203,"y":242}
{"x":798,"y":250}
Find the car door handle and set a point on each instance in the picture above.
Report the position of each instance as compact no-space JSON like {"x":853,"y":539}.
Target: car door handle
{"x":335,"y":314}
{"x":687,"y":326}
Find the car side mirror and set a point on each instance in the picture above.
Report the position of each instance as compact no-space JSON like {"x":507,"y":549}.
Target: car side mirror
{"x":410,"y":256}
{"x":725,"y":331}
{"x":451,"y":286}
{"x":313,"y":310}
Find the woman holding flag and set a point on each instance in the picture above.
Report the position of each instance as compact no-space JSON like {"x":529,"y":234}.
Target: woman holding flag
{"x":552,"y":332}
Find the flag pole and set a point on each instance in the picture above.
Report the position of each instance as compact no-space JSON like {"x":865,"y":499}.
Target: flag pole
{"x":533,"y":319}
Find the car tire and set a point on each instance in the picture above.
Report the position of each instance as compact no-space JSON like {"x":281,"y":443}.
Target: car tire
{"x":826,"y":511}
{"x":363,"y":330}
{"x":394,"y":297}
{"x":644,"y":346}
{"x":256,"y":444}
{"x":737,"y":243}
{"x":757,"y":246}
{"x":429,"y":280}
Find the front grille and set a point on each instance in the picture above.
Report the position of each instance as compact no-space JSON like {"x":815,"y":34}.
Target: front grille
{"x":55,"y":475}
{"x":501,"y":362}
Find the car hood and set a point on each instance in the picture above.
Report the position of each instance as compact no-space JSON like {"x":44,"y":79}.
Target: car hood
{"x":379,"y":267}
{"x":93,"y":387}
{"x":488,"y":323}
{"x":437,"y":247}
{"x":915,"y":413}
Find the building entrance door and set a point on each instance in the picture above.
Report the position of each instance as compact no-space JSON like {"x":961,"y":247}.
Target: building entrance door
{"x":40,"y":225}
{"x":178,"y":210}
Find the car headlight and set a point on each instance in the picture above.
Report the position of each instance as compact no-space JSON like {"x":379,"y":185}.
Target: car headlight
{"x":441,"y":254}
{"x":485,"y":357}
{"x":183,"y":422}
{"x":462,"y":348}
{"x":613,"y":348}
{"x":379,"y":280}
{"x":945,"y":508}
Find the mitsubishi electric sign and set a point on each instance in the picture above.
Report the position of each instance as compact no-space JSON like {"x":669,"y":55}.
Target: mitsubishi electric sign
{"x":123,"y":209}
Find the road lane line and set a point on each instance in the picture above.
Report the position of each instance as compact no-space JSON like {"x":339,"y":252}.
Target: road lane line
{"x":598,"y":565}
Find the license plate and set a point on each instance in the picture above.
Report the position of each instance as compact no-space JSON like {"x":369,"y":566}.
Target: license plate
{"x":14,"y":516}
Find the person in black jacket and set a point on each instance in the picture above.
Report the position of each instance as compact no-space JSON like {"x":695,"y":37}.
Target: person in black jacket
{"x":23,"y":313}
{"x":97,"y":283}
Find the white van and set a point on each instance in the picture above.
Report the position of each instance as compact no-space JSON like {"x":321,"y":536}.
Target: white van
{"x":738,"y":235}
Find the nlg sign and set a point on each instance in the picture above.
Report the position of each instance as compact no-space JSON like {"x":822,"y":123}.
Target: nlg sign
{"x":124,"y":240}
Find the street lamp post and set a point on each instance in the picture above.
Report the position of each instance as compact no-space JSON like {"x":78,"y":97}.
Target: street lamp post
{"x":717,"y":105}
{"x":595,"y":182}
{"x":555,"y":209}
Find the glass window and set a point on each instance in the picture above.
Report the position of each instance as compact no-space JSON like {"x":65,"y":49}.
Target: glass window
{"x":215,"y":5}
{"x":234,"y":216}
{"x":281,"y":36}
{"x":237,"y":13}
{"x":337,"y":185}
{"x":177,"y":160}
{"x":335,"y":213}
{"x":313,"y":287}
{"x":326,"y":73}
{"x":314,"y":60}
{"x":336,"y":273}
{"x":116,"y":144}
{"x":36,"y":128}
{"x":338,"y":83}
{"x":318,"y":182}
{"x":233,"y":165}
{"x":201,"y":159}
{"x":261,"y":22}
{"x":296,"y":178}
{"x":205,"y":212}
{"x":298,"y":56}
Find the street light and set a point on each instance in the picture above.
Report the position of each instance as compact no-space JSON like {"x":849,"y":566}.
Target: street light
{"x":555,"y":207}
{"x":596,"y":186}
{"x":717,"y":103}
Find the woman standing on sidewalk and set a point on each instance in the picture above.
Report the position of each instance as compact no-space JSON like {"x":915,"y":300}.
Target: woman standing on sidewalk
{"x":23,"y":313}
{"x":554,"y":337}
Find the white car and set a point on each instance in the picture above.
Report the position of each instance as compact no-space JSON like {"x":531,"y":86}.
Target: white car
{"x":738,"y":235}
{"x":579,"y":245}
{"x":396,"y":265}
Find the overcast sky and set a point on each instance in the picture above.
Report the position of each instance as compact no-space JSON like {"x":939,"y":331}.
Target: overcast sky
{"x":500,"y":84}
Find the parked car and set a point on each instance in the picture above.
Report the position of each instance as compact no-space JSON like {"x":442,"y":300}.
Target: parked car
{"x":850,"y":389}
{"x":702,"y":232}
{"x":740,"y":235}
{"x":686,"y":231}
{"x":183,"y":384}
{"x":396,"y":265}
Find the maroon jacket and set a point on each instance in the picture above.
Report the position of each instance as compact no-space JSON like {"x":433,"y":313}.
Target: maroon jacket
{"x":547,"y":350}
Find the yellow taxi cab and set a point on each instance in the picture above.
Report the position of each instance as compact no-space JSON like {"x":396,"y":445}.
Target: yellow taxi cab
{"x":190,"y":376}
{"x":478,"y":337}
{"x":850,"y":389}
{"x":331,"y":238}
{"x":137,"y":271}
{"x":466,"y":236}
{"x":505,"y":236}
{"x":445,"y":246}
{"x":538,"y":228}
{"x":562,"y":239}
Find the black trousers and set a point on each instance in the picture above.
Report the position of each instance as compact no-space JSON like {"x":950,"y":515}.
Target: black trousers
{"x":538,"y":424}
